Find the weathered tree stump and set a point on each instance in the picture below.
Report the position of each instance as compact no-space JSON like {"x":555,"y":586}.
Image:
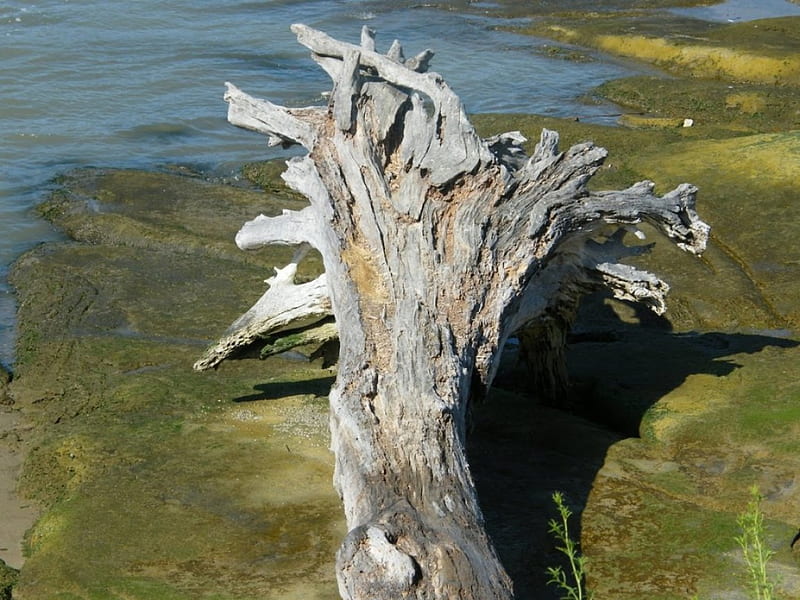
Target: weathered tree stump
{"x":438,"y":245}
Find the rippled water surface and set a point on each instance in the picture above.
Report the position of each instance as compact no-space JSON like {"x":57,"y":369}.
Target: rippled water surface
{"x":732,"y":11}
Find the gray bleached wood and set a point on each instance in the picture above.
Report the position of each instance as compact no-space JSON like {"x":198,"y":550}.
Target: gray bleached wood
{"x":437,"y":245}
{"x":284,"y":306}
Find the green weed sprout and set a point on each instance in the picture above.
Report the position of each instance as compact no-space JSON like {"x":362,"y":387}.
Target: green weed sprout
{"x":572,"y":583}
{"x":753,"y":545}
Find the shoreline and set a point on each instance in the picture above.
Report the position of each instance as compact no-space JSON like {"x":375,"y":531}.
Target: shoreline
{"x":115,"y":338}
{"x":19,"y":515}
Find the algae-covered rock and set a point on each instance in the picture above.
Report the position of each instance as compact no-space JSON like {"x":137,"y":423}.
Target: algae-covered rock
{"x":162,"y":483}
{"x":156,"y":481}
{"x":711,"y":388}
{"x":740,"y":77}
{"x":749,"y":194}
{"x":661,"y":520}
{"x":159,"y":211}
{"x":713,"y":106}
{"x":8,"y":579}
{"x":717,"y":411}
{"x":708,"y":394}
{"x":765,"y":51}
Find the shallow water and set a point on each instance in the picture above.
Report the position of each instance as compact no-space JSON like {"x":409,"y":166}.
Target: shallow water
{"x":140,"y":85}
{"x":733,"y":11}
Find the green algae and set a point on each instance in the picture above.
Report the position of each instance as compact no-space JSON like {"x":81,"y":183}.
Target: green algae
{"x":745,"y":279}
{"x":749,"y":194}
{"x":162,"y":211}
{"x":8,"y":579}
{"x":775,"y":36}
{"x":208,"y":511}
{"x":155,"y":481}
{"x":713,"y":106}
{"x":765,"y":51}
{"x":267,"y":175}
{"x":675,"y":493}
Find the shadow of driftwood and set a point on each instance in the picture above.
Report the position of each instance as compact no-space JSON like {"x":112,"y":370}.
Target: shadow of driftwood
{"x":320,"y":386}
{"x":618,"y":374}
{"x":522,"y":451}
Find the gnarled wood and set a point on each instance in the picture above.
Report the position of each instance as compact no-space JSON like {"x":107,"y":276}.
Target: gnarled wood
{"x":284,"y":306}
{"x":438,"y":245}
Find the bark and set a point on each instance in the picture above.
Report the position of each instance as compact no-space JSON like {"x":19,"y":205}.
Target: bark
{"x":438,"y":245}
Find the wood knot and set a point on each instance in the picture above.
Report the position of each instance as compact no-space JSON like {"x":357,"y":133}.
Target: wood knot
{"x":371,"y":565}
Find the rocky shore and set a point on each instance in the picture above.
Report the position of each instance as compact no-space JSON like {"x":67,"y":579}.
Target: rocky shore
{"x":705,"y":397}
{"x":709,"y":389}
{"x":153,"y":481}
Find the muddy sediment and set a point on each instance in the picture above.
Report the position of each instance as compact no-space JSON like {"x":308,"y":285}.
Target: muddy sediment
{"x":155,"y":481}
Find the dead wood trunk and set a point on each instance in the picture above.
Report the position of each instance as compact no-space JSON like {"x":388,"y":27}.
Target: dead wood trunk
{"x":438,"y":245}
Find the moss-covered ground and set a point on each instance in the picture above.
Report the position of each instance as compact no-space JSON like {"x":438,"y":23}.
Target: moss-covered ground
{"x":707,"y":392}
{"x":156,"y":481}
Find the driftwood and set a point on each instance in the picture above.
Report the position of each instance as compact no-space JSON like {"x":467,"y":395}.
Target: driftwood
{"x":438,"y":246}
{"x":285,"y":306}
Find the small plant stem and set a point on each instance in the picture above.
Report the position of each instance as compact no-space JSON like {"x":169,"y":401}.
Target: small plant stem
{"x":572,"y":553}
{"x":569,"y":547}
{"x":756,"y":554}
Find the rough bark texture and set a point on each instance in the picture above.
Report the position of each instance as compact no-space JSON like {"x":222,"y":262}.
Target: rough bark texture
{"x":438,"y":245}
